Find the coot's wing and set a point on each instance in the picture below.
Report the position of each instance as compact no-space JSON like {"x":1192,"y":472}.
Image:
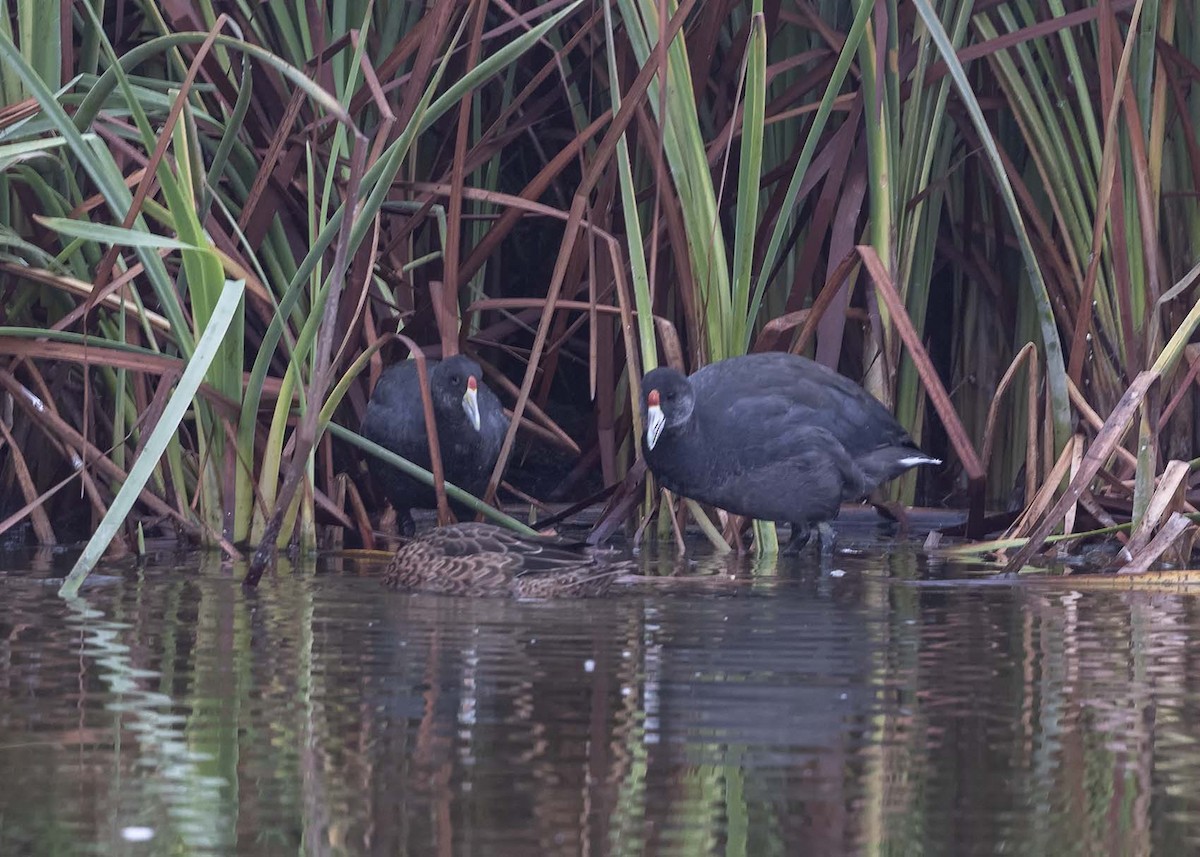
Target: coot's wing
{"x":770,"y":431}
{"x":761,"y":397}
{"x":493,"y":425}
{"x":806,"y":486}
{"x":391,"y":419}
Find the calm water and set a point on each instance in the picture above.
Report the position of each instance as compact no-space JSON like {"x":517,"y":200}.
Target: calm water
{"x":802,"y":713}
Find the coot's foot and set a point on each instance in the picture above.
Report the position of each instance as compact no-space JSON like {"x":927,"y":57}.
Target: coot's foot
{"x":801,"y":533}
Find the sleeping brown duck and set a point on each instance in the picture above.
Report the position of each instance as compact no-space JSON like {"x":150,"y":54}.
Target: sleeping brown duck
{"x":486,"y":560}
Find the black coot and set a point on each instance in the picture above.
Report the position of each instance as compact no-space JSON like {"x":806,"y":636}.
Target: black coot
{"x":470,"y":422}
{"x":773,"y":436}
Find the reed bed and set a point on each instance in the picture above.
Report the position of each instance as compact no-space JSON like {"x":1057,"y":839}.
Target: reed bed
{"x":219,"y":218}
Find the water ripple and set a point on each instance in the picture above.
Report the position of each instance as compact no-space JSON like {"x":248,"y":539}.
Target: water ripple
{"x":792,"y":712}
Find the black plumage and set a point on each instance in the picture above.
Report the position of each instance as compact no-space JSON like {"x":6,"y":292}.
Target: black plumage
{"x":772,"y":436}
{"x":486,"y":560}
{"x":395,"y":419}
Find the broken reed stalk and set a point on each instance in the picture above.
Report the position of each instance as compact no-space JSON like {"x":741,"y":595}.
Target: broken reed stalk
{"x":1102,"y":447}
{"x":976,"y":476}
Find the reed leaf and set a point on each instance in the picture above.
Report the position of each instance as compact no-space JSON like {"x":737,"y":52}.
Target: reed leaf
{"x":1056,"y":373}
{"x":206,"y":351}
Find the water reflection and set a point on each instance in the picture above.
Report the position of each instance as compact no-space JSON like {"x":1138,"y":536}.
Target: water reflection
{"x":773,"y":711}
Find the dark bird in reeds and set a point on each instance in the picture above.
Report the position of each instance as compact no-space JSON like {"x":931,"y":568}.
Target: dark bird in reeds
{"x":470,"y":424}
{"x":486,"y":560}
{"x":772,"y":436}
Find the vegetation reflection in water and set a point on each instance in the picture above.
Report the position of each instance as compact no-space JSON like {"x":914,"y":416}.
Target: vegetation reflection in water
{"x":184,"y":784}
{"x":869,"y":713}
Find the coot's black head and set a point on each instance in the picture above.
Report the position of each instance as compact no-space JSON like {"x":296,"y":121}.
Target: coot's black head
{"x":454,"y":383}
{"x":667,"y":402}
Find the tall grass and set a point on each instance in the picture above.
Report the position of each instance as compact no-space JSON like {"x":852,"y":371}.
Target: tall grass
{"x":909,"y":193}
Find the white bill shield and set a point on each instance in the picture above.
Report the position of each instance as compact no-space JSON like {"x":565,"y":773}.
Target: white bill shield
{"x":470,"y":402}
{"x":656,"y":420}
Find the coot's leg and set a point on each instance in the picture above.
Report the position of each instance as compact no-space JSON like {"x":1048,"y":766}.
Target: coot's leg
{"x":827,"y":536}
{"x":801,"y":533}
{"x":405,"y":523}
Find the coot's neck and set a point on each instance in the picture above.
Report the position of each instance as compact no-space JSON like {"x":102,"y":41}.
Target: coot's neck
{"x":451,"y":417}
{"x":679,"y":440}
{"x":691,"y":430}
